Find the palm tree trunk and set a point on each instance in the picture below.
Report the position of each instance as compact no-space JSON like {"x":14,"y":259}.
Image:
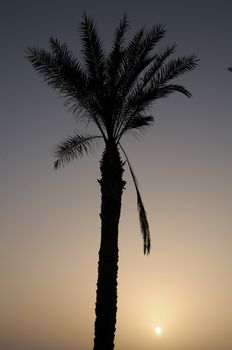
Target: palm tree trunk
{"x":106,"y":300}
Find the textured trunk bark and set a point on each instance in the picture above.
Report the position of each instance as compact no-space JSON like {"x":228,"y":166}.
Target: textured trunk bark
{"x":106,"y":299}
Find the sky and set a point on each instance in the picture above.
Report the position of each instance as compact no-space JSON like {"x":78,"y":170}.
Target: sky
{"x":50,"y":227}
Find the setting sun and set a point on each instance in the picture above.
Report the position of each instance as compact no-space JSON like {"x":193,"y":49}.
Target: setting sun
{"x":158,"y":330}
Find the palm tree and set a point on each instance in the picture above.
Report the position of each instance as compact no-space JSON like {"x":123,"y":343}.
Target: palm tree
{"x":113,"y":92}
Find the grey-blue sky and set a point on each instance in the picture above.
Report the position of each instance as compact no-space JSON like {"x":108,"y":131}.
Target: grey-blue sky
{"x":183,"y":164}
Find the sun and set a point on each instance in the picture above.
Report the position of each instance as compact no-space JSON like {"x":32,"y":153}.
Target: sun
{"x":158,"y":330}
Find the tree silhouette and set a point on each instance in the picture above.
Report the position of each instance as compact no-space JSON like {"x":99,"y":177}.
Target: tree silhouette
{"x":114,"y":92}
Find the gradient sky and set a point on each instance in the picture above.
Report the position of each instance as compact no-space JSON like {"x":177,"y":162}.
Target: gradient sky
{"x":50,"y":228}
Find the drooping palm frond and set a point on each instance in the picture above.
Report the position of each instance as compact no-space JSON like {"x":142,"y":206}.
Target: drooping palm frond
{"x":74,"y":147}
{"x":144,"y":226}
{"x":164,"y":91}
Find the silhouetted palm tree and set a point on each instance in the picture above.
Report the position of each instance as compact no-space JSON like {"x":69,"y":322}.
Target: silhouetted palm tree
{"x":114,"y":92}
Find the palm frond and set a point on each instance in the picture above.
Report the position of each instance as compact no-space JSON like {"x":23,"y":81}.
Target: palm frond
{"x":157,"y":62}
{"x":95,"y":63}
{"x":117,"y":53}
{"x":63,"y":72}
{"x":143,"y":101}
{"x":144,"y":226}
{"x":120,"y":32}
{"x":140,"y":46}
{"x":72,"y":148}
{"x":139,"y":122}
{"x":62,"y":53}
{"x":128,"y":63}
{"x":59,"y":69}
{"x":166,"y":90}
{"x":137,"y":57}
{"x":151,"y":38}
{"x":93,"y":52}
{"x":148,"y":91}
{"x":175,"y":68}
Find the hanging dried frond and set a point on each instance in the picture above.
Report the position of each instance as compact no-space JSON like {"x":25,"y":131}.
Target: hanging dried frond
{"x":144,"y":226}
